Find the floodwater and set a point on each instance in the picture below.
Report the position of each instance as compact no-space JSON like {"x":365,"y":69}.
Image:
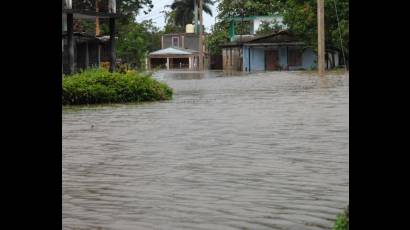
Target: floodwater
{"x":260,"y":151}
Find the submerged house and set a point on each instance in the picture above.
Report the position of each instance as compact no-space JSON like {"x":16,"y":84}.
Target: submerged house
{"x":81,"y":50}
{"x":178,"y":51}
{"x":276,"y":51}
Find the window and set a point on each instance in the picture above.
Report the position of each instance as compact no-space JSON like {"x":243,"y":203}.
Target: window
{"x":295,"y":57}
{"x":175,"y":41}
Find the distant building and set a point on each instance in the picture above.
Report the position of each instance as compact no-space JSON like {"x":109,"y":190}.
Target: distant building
{"x":276,"y":51}
{"x":81,"y":50}
{"x":178,"y":51}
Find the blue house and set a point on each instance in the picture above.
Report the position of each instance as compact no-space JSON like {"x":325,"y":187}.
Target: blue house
{"x":277,"y":51}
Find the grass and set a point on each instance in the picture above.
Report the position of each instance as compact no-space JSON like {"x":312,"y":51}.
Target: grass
{"x":98,"y":86}
{"x":342,"y":221}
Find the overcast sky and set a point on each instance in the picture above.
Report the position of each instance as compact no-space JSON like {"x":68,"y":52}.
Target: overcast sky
{"x":159,"y":18}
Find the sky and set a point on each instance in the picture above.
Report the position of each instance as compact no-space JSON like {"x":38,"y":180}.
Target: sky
{"x":159,"y":18}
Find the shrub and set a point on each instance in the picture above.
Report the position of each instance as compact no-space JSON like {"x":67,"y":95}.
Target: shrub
{"x":342,"y":221}
{"x":100,"y":86}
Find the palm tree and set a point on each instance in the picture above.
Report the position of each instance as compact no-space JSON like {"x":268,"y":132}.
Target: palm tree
{"x":184,"y":10}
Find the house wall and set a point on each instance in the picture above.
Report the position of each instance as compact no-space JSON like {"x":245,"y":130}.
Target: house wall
{"x":191,"y":42}
{"x":167,"y":41}
{"x":333,"y":56}
{"x":257,"y":59}
{"x":245,"y":59}
{"x":308,"y":59}
{"x":283,"y":57}
{"x":186,"y":41}
{"x":232,"y":58}
{"x":336,"y":59}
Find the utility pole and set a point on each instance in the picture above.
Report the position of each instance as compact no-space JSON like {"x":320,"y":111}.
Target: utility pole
{"x":321,"y":37}
{"x":196,"y":16}
{"x":201,"y":42}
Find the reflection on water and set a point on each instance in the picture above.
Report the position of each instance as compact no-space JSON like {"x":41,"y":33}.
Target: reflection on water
{"x":259,"y":151}
{"x":190,"y":75}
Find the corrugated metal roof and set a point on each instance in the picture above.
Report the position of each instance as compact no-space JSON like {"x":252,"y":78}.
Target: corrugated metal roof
{"x":282,"y":36}
{"x":174,"y":51}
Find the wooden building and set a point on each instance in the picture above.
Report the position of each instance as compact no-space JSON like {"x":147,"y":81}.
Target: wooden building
{"x":79,"y":50}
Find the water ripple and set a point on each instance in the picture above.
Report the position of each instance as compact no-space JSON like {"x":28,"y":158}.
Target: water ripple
{"x":265,"y":151}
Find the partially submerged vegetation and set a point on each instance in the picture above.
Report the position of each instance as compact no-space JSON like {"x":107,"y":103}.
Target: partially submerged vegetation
{"x":96,"y":86}
{"x":342,"y":221}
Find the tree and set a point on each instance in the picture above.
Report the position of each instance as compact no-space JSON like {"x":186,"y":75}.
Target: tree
{"x":217,"y":36}
{"x":301,"y":17}
{"x":128,"y":10}
{"x":237,"y":8}
{"x":268,"y":27}
{"x":171,"y":26}
{"x":125,"y":7}
{"x":184,"y":10}
{"x":135,"y":40}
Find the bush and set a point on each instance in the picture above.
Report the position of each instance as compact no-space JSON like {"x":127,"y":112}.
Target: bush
{"x":342,"y":221}
{"x":100,"y":86}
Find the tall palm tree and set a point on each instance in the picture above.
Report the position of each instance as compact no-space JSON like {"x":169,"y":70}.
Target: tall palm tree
{"x":184,"y":10}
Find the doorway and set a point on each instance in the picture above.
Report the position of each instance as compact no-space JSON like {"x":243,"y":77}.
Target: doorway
{"x":271,"y":60}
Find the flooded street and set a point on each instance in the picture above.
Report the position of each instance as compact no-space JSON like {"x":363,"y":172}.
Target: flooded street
{"x":260,"y":151}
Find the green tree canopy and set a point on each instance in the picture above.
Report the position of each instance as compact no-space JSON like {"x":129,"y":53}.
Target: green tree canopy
{"x":184,"y":11}
{"x":136,"y":40}
{"x":299,"y":16}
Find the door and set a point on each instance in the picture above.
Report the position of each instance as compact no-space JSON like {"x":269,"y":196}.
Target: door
{"x":271,"y":60}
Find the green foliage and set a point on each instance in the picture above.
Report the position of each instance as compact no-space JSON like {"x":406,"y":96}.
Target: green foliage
{"x":342,"y":221}
{"x":238,"y":8}
{"x":87,"y":26}
{"x":219,"y":35}
{"x":171,"y":25}
{"x":268,"y":27}
{"x":100,"y":86}
{"x":184,"y":11}
{"x":135,"y":40}
{"x":301,"y":17}
{"x":128,"y":8}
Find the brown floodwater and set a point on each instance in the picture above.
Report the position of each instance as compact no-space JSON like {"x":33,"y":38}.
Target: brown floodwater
{"x":259,"y":151}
